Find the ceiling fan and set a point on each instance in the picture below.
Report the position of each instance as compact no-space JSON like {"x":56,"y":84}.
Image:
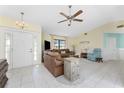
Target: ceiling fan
{"x":71,"y":18}
{"x":120,"y":26}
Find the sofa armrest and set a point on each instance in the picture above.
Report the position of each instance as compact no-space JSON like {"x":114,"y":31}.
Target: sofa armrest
{"x":58,"y":62}
{"x":59,"y":59}
{"x":72,"y":53}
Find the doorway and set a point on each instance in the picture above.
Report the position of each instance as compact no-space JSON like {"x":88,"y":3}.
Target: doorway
{"x":21,"y":48}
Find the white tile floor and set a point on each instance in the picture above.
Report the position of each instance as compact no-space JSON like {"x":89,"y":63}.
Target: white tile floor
{"x":93,"y":75}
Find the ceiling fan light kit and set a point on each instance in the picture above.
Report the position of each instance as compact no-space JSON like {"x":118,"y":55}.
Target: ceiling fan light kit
{"x":71,"y":18}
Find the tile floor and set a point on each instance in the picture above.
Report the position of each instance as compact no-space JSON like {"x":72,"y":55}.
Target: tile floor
{"x":92,"y":75}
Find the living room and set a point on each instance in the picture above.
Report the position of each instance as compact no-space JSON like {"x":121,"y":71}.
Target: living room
{"x":96,"y":38}
{"x":69,"y":49}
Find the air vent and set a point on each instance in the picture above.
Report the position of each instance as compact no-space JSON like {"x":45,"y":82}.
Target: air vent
{"x":120,"y":26}
{"x":85,"y":33}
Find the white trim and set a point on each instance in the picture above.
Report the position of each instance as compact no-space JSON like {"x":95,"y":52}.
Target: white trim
{"x":15,"y":29}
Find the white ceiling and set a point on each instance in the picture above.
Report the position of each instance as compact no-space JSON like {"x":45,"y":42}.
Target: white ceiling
{"x":48,"y":15}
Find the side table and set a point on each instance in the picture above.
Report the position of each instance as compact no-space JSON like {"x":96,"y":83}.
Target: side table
{"x":71,"y":68}
{"x":83,"y":55}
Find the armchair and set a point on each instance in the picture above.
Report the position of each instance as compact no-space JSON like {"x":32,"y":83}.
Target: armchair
{"x":95,"y":54}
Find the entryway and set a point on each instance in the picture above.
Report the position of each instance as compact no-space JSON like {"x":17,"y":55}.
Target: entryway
{"x":21,"y":48}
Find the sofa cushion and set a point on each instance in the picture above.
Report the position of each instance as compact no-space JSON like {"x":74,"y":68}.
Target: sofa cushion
{"x":56,"y":50}
{"x":67,"y":50}
{"x":56,"y":55}
{"x":63,"y":52}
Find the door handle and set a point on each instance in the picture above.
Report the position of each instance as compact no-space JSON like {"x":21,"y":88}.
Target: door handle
{"x":30,"y":50}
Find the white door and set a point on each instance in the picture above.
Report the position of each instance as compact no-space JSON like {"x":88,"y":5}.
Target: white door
{"x":112,"y":43}
{"x":113,"y":51}
{"x":22,"y":49}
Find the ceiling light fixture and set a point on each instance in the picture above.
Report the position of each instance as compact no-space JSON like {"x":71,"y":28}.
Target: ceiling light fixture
{"x":21,"y":23}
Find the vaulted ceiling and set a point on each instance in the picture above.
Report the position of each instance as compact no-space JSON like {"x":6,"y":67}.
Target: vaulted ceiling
{"x":48,"y":15}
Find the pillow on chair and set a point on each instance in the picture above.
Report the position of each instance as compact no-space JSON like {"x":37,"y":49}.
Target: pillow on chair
{"x":90,"y":50}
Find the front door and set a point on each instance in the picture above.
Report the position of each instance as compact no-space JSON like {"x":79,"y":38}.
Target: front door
{"x":22,"y":49}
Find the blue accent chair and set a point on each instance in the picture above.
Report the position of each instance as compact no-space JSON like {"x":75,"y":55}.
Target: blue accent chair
{"x":95,"y":54}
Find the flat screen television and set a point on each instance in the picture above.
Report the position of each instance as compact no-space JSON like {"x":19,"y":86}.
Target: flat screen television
{"x":47,"y":45}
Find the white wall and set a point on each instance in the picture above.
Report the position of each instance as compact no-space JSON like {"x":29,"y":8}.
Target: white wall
{"x":121,"y":52}
{"x":1,"y":45}
{"x":110,"y":54}
{"x":39,"y":37}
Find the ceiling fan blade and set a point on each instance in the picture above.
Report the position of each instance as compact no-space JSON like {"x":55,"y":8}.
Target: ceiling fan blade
{"x":63,"y":21}
{"x":63,"y":14}
{"x":76,"y":14}
{"x":79,"y":20}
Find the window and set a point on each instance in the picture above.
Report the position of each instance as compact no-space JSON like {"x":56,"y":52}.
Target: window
{"x":35,"y":49}
{"x":8,"y":46}
{"x":59,"y":44}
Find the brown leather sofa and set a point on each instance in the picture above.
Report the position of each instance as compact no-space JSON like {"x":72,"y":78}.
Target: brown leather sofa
{"x":64,"y":52}
{"x":54,"y":63}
